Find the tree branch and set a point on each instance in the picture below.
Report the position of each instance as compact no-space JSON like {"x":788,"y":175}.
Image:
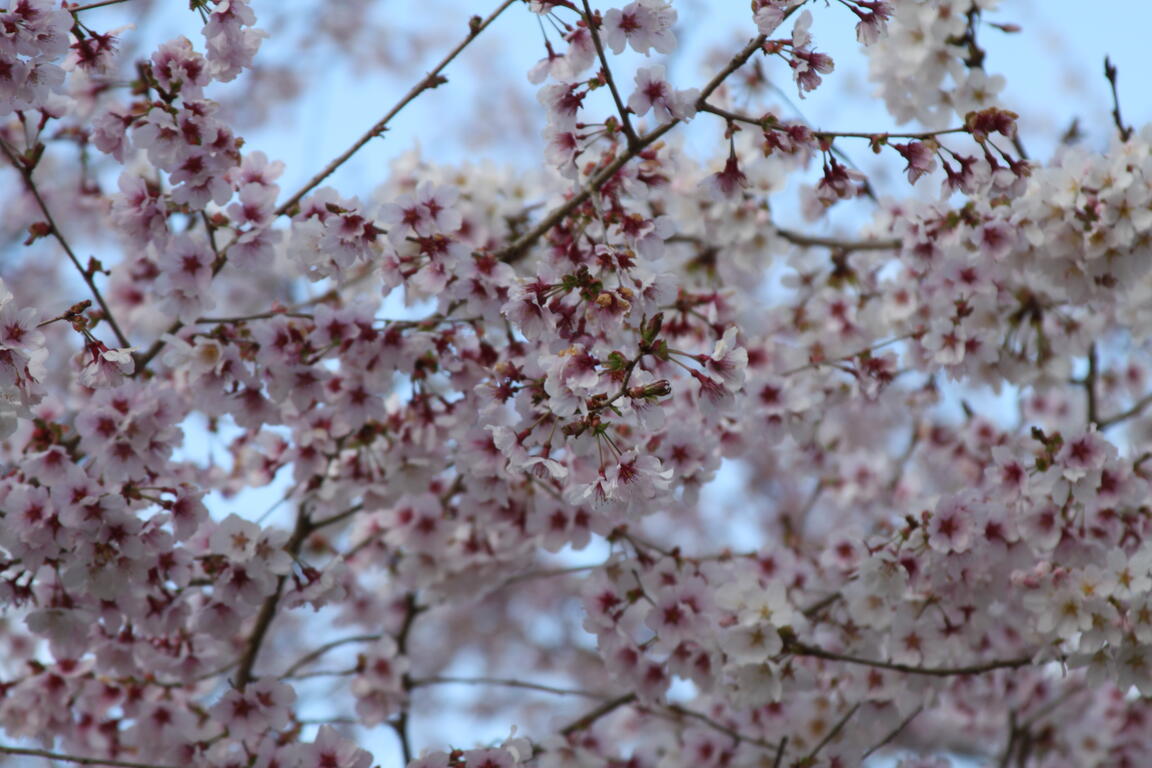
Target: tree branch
{"x":586,"y":720}
{"x":798,"y":648}
{"x":308,"y":658}
{"x":519,"y":247}
{"x":507,"y":682}
{"x":737,"y":117}
{"x":433,"y":79}
{"x":25,"y":169}
{"x":1089,"y":383}
{"x":721,"y":728}
{"x":892,"y":734}
{"x":810,"y":759}
{"x":268,"y":609}
{"x":76,"y":758}
{"x":91,"y":6}
{"x":1135,"y":410}
{"x":1110,"y":73}
{"x":812,"y":241}
{"x":625,"y":122}
{"x":400,"y":724}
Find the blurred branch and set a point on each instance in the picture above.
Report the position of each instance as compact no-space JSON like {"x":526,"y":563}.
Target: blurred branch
{"x":400,"y":724}
{"x":810,"y":759}
{"x":721,"y":728}
{"x":812,"y":241}
{"x":1135,"y":410}
{"x":1110,"y":73}
{"x":75,"y":758}
{"x":91,"y":6}
{"x":308,"y":658}
{"x":506,"y":682}
{"x":797,"y":648}
{"x":586,"y":720}
{"x":892,"y":734}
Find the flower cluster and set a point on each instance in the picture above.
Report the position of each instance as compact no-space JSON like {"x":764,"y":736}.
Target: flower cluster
{"x":728,"y":490}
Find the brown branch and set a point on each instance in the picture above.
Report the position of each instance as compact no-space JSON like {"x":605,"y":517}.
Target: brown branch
{"x":311,"y":656}
{"x":762,"y":123}
{"x":798,"y":648}
{"x":721,"y":728}
{"x":506,"y":682}
{"x":625,"y":123}
{"x":1089,"y":383}
{"x":324,"y":522}
{"x":75,"y":758}
{"x":515,"y":251}
{"x":892,"y":734}
{"x":400,"y":724}
{"x":91,"y":6}
{"x":26,"y":168}
{"x":322,"y":673}
{"x":779,"y":761}
{"x":1135,"y":410}
{"x":1010,"y":747}
{"x":433,"y":79}
{"x":849,"y":357}
{"x":1110,"y":73}
{"x":810,"y":759}
{"x":257,"y":316}
{"x":812,"y":241}
{"x":590,"y":717}
{"x":268,"y":609}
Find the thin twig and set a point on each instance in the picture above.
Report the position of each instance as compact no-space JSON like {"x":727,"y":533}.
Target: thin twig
{"x":268,"y":609}
{"x":308,"y":658}
{"x":506,"y":682}
{"x":590,"y":717}
{"x":257,"y":316}
{"x":721,"y":728}
{"x":324,"y":522}
{"x":519,"y":247}
{"x":1135,"y":410}
{"x":812,"y":241}
{"x":25,"y":170}
{"x":430,"y":81}
{"x":803,"y":649}
{"x":322,"y":673}
{"x":892,"y":734}
{"x":549,"y":573}
{"x":76,"y":758}
{"x":1010,"y":747}
{"x":1110,"y":72}
{"x":779,"y":761}
{"x":1090,"y":387}
{"x":400,"y":724}
{"x":90,"y":6}
{"x":832,"y":734}
{"x":625,"y":122}
{"x":762,"y":123}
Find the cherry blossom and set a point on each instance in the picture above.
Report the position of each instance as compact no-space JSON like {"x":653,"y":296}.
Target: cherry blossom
{"x":657,"y":444}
